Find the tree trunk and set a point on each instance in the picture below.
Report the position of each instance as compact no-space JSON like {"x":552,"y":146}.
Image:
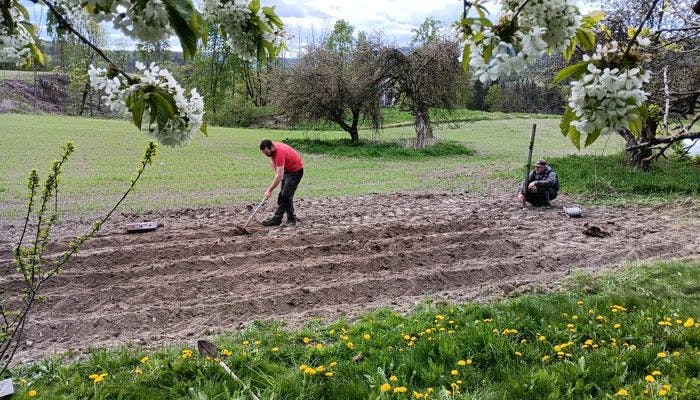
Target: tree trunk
{"x":424,"y":131}
{"x":639,"y":158}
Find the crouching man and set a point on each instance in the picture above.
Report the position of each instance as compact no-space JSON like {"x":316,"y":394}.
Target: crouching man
{"x":542,"y":187}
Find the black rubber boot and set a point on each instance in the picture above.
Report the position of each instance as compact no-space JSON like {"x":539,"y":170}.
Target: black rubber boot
{"x":272,"y":221}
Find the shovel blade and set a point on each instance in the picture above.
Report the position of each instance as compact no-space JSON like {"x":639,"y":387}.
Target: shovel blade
{"x":240,"y":230}
{"x":207,"y":349}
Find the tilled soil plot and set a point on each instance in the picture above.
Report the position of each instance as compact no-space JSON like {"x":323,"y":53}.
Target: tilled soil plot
{"x":191,"y":277}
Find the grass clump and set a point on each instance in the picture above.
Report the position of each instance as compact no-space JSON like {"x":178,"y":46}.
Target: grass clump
{"x":634,"y":332}
{"x":393,"y":150}
{"x":608,"y":179}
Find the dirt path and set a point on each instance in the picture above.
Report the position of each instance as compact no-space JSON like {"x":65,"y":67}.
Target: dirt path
{"x":191,"y":277}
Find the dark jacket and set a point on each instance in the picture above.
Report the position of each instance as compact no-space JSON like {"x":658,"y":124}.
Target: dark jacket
{"x":546,"y":181}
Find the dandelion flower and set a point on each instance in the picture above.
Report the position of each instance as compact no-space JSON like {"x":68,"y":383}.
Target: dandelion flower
{"x":541,"y":338}
{"x":275,"y":349}
{"x":366,"y":336}
{"x":319,"y":346}
{"x":138,"y":371}
{"x":661,"y":355}
{"x":461,"y":363}
{"x":144,"y":360}
{"x":393,"y":378}
{"x":622,"y":392}
{"x":32,"y":393}
{"x":350,"y":345}
{"x":656,"y":373}
{"x":329,"y":374}
{"x":306,"y":340}
{"x":333,"y":364}
{"x":649,"y":378}
{"x":454,"y":372}
{"x":662,"y":392}
{"x":385,"y":387}
{"x":418,"y":395}
{"x":400,"y":389}
{"x":689,"y":323}
{"x":616,"y":326}
{"x":518,"y":354}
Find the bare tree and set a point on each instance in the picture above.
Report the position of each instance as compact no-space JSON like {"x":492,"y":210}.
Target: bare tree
{"x":326,"y":85}
{"x":424,"y":79}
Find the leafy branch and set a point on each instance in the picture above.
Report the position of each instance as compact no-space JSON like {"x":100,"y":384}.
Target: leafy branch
{"x":29,"y":260}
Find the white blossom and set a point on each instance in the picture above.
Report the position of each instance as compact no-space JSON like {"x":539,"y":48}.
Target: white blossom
{"x":16,"y":46}
{"x":607,"y":99}
{"x":177,"y":131}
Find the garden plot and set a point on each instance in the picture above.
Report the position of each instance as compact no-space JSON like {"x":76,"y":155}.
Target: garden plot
{"x":192,"y":277}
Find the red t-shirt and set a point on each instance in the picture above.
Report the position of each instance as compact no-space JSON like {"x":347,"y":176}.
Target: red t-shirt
{"x":287,"y":157}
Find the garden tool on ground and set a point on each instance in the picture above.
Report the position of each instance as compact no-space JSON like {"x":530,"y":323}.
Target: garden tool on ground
{"x":243,"y":230}
{"x":208,"y":349}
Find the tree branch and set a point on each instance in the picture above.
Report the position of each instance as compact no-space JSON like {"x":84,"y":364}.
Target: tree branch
{"x":670,"y":139}
{"x":63,"y":22}
{"x":641,"y":25}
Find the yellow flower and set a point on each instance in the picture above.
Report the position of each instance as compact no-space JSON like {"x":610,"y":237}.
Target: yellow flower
{"x":226,"y":353}
{"x":98,"y":378}
{"x":518,"y":354}
{"x":662,"y":392}
{"x":406,"y":337}
{"x":454,"y":372}
{"x":616,"y":326}
{"x":32,"y":393}
{"x":306,"y":340}
{"x":661,"y":354}
{"x":385,"y":387}
{"x":469,"y":361}
{"x":649,"y":378}
{"x":331,"y":332}
{"x":366,"y":336}
{"x":400,"y":389}
{"x":461,"y":363}
{"x":138,"y":371}
{"x":144,"y":360}
{"x":329,"y":374}
{"x":666,"y":386}
{"x":350,"y":345}
{"x":319,"y":346}
{"x":187,"y":353}
{"x":333,"y":364}
{"x":580,"y":302}
{"x":393,"y":378}
{"x":246,"y":343}
{"x":656,"y":372}
{"x":257,"y":343}
{"x":622,"y":392}
{"x":309,"y":371}
{"x":320,"y":368}
{"x":676,"y":353}
{"x":541,"y":338}
{"x":689,"y":323}
{"x":417,"y":395}
{"x":545,"y":358}
{"x":275,"y":349}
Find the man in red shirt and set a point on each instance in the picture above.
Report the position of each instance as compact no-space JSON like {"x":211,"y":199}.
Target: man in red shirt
{"x":289,"y":169}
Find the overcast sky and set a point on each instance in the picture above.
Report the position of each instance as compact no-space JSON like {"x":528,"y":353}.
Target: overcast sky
{"x":307,"y":20}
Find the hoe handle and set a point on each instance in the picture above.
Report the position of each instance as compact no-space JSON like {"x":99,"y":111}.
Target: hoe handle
{"x":254,"y":212}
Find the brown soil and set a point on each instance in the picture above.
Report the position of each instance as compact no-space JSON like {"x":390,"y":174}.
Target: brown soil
{"x":192,"y":277}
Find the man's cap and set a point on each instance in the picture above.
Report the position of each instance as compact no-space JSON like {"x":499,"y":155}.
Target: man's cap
{"x":541,"y":163}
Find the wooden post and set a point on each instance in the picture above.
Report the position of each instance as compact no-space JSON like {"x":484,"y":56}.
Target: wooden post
{"x":529,"y":163}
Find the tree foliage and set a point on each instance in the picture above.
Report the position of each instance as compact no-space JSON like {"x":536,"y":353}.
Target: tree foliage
{"x":334,"y":86}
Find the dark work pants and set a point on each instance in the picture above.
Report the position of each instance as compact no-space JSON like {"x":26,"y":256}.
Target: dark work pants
{"x":290,"y":181}
{"x":539,"y":198}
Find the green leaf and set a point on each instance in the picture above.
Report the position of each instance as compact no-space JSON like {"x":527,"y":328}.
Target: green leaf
{"x":203,"y":128}
{"x":162,"y":107}
{"x":574,"y":71}
{"x":136,"y":103}
{"x":635,"y":125}
{"x":488,"y":52}
{"x":566,"y":119}
{"x":591,"y":137}
{"x":575,"y":137}
{"x":586,"y":37}
{"x":591,"y":19}
{"x":254,"y":6}
{"x":644,"y":111}
{"x":569,"y":51}
{"x":185,"y":21}
{"x":466,"y":55}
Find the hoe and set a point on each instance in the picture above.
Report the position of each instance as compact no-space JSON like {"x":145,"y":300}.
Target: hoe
{"x":243,"y":230}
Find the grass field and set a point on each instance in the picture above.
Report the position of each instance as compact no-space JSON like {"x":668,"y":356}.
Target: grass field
{"x":226,"y":166}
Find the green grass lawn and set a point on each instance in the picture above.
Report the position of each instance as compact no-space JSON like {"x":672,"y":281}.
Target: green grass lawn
{"x":226,"y":165}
